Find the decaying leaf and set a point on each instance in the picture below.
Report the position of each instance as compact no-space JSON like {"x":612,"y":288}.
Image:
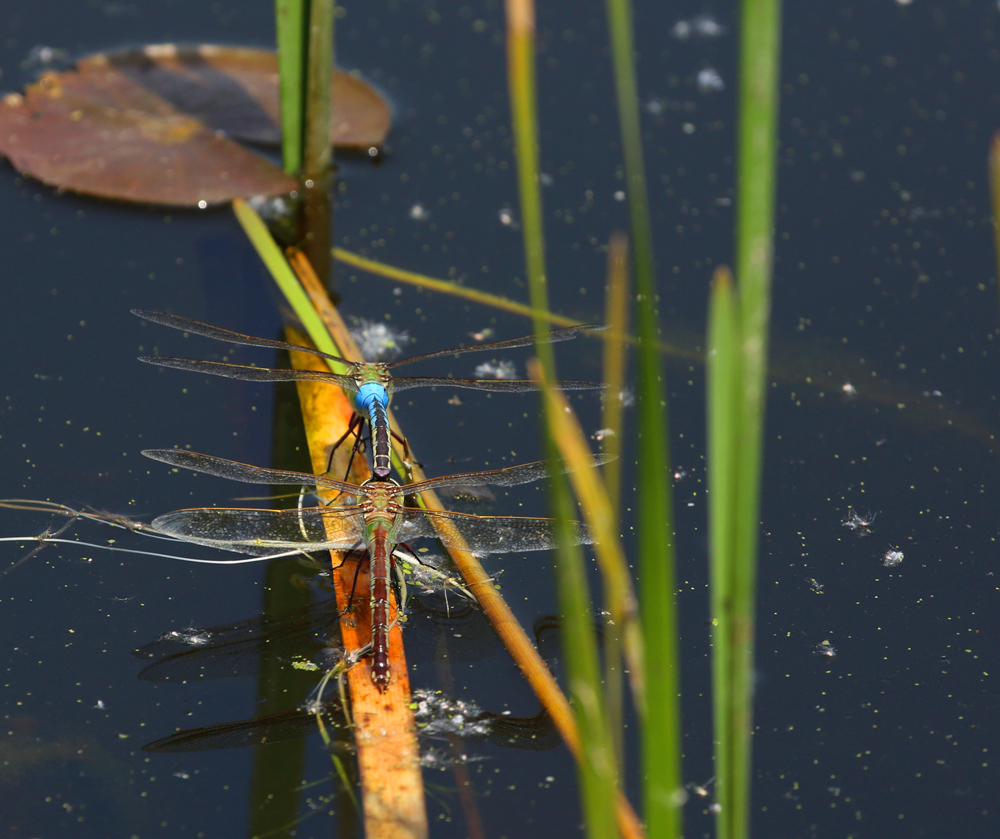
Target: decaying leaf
{"x":150,"y":125}
{"x":235,"y":90}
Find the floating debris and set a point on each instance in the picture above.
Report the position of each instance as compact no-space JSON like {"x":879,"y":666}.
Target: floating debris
{"x":814,"y":586}
{"x":702,"y":26}
{"x":700,"y":790}
{"x":440,"y":759}
{"x":825,"y":649}
{"x":892,"y":557}
{"x":626,"y":396}
{"x":496,"y":370}
{"x":437,"y":715}
{"x":861,"y":525}
{"x":418,"y":212}
{"x":378,"y":341}
{"x":189,"y":635}
{"x":658,"y":106}
{"x":506,"y":216}
{"x":271,"y":208}
{"x":43,"y":56}
{"x":709,"y":81}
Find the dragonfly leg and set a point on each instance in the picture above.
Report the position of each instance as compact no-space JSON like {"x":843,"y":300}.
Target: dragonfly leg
{"x":357,"y":422}
{"x":407,"y":456}
{"x":359,"y":558}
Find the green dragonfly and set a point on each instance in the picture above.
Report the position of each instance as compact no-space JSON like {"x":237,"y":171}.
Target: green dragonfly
{"x":377,"y":522}
{"x":371,"y":382}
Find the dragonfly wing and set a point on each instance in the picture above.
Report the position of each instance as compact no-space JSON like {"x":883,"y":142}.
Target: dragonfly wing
{"x":545,"y":338}
{"x":509,"y":477}
{"x":489,"y":385}
{"x":219,"y":334}
{"x":250,"y":374}
{"x":487,"y":534}
{"x":317,"y":528}
{"x":236,"y":471}
{"x":415,"y":526}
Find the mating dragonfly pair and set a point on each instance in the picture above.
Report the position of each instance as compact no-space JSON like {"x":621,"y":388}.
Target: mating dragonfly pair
{"x":377,"y":520}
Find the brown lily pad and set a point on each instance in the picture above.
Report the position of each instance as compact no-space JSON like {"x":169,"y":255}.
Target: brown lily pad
{"x":235,"y":90}
{"x":149,"y":125}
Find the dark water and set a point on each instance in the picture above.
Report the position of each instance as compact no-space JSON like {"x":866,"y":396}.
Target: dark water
{"x":885,"y":278}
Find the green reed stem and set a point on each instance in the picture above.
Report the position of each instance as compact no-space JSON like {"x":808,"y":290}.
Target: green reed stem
{"x":661,"y":743}
{"x":317,"y":143}
{"x":305,"y":71}
{"x":268,"y":250}
{"x":293,"y":47}
{"x":614,"y":364}
{"x":597,"y":775}
{"x":737,"y":380}
{"x":616,"y":308}
{"x":725,"y":370}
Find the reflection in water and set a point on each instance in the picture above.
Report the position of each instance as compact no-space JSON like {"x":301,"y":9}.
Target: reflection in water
{"x":437,"y":623}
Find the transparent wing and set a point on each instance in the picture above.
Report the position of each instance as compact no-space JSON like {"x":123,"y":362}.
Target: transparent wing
{"x":509,"y":477}
{"x":492,"y":385}
{"x":262,"y":531}
{"x":546,"y":338}
{"x":219,"y":334}
{"x":250,"y":374}
{"x":486,"y":534}
{"x":236,"y":471}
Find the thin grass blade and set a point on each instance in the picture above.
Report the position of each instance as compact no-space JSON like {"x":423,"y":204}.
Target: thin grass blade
{"x":268,"y":250}
{"x":663,"y":793}
{"x":598,"y":784}
{"x":318,"y":142}
{"x":293,"y":45}
{"x":734,"y":605}
{"x":725,"y":371}
{"x":615,"y":360}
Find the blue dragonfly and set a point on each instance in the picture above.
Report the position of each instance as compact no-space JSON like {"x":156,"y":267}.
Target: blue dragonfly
{"x":371,"y":382}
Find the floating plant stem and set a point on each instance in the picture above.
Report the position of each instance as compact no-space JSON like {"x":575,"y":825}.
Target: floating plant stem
{"x":514,"y":638}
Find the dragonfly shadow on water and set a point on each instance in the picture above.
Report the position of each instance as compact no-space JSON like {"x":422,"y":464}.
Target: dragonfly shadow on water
{"x":436,"y":626}
{"x":301,"y":639}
